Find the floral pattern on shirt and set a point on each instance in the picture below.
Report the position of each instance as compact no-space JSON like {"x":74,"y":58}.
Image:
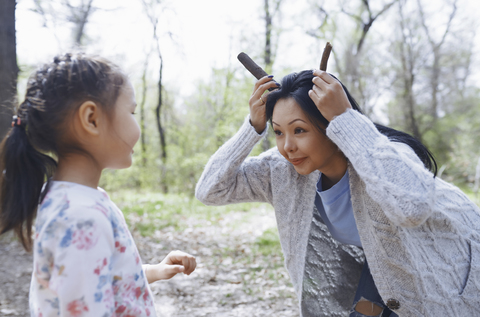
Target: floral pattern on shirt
{"x":85,"y":260}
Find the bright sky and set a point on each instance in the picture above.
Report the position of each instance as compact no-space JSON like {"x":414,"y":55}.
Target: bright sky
{"x":207,"y":33}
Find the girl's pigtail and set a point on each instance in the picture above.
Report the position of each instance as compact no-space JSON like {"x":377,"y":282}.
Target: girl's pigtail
{"x":24,"y":171}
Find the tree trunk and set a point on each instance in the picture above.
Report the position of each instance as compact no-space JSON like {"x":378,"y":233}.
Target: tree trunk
{"x":81,"y":21}
{"x":268,"y":38}
{"x":267,"y":56}
{"x":8,"y":64}
{"x":142,"y":111}
{"x":407,"y":61}
{"x":150,"y":10}
{"x":161,"y":131}
{"x":437,"y":53}
{"x":158,"y":116}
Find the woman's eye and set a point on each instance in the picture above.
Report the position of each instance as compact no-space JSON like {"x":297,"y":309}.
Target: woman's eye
{"x":279,"y":133}
{"x":299,"y":130}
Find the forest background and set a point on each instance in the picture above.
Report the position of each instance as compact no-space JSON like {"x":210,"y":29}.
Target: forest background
{"x":413,"y":65}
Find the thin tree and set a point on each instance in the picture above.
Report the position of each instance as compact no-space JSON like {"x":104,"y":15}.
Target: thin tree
{"x":366,"y":23}
{"x":8,"y":64}
{"x":408,"y":63}
{"x":77,"y":14}
{"x":271,"y":10}
{"x":350,"y":59}
{"x":436,"y":48}
{"x":152,"y":16}
{"x":364,"y":20}
{"x":142,"y":110}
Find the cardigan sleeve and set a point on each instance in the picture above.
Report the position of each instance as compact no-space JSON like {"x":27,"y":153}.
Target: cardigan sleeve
{"x":230,"y":177}
{"x":393,"y":174}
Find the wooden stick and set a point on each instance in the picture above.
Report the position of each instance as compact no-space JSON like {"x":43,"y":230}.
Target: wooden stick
{"x":252,"y":67}
{"x":326,"y":54}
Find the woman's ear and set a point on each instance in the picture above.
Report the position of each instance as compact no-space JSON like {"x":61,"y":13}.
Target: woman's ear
{"x":89,"y":116}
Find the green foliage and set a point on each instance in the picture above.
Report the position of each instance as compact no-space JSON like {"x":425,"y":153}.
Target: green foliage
{"x":147,"y":211}
{"x":460,"y":131}
{"x":194,"y":131}
{"x":269,"y":243}
{"x":392,"y":63}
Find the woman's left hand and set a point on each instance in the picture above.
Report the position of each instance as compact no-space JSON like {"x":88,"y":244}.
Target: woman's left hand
{"x":328,"y":95}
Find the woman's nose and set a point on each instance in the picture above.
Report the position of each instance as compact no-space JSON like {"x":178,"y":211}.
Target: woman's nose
{"x":290,"y":145}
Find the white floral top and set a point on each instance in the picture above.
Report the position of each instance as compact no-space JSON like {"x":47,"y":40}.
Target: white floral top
{"x":85,"y":260}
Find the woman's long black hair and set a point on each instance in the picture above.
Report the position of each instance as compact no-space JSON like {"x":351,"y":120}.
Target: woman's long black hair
{"x":297,"y":85}
{"x":39,"y":128}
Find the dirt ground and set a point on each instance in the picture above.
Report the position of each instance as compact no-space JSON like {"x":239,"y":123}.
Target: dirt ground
{"x":230,"y":279}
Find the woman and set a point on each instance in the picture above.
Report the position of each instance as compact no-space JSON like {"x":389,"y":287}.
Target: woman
{"x":360,"y":216}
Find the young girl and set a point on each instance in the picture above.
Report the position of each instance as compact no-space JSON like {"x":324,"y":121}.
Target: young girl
{"x":79,"y":109}
{"x":361,"y":218}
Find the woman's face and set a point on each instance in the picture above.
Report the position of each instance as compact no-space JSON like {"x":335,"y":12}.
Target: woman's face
{"x":302,"y":144}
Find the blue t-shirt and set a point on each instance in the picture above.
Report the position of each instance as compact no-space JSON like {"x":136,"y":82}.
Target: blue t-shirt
{"x":335,"y":208}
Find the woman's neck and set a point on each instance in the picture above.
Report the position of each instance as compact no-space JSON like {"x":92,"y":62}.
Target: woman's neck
{"x":328,"y":182}
{"x":80,"y":169}
{"x":334,"y":173}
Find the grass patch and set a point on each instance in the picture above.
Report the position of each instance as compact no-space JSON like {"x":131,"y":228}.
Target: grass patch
{"x":150,"y":211}
{"x":269,"y":243}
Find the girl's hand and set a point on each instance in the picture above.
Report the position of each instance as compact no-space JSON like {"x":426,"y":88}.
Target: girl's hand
{"x":257,"y":102}
{"x":328,"y":95}
{"x":175,"y":262}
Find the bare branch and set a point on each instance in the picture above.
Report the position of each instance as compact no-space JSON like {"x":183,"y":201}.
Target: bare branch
{"x":356,"y":17}
{"x":321,"y":12}
{"x":449,"y":24}
{"x":367,"y":5}
{"x":385,"y":8}
{"x":427,"y":30}
{"x":368,"y":25}
{"x":276,"y":8}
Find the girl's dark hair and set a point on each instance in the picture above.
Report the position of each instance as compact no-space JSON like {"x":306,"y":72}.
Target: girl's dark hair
{"x":297,"y":85}
{"x":54,"y":93}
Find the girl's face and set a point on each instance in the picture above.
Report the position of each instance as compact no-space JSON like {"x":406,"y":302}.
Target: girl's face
{"x":123,"y":129}
{"x":302,"y":144}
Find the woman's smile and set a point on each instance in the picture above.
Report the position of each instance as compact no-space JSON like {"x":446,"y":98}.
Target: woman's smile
{"x":298,"y":161}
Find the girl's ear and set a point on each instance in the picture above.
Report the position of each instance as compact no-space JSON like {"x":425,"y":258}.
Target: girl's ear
{"x":89,"y":116}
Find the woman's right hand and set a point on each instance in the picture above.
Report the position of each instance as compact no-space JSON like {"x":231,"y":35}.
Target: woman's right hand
{"x":257,"y":102}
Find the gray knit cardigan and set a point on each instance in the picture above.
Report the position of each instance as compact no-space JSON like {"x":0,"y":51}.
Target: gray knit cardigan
{"x":420,"y":235}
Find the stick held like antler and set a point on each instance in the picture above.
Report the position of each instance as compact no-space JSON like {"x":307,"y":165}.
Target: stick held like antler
{"x":252,"y":67}
{"x":326,"y":54}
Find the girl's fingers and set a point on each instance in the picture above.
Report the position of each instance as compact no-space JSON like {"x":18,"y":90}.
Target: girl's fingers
{"x":175,"y":269}
{"x":190,"y":264}
{"x":171,"y":270}
{"x":187,"y":261}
